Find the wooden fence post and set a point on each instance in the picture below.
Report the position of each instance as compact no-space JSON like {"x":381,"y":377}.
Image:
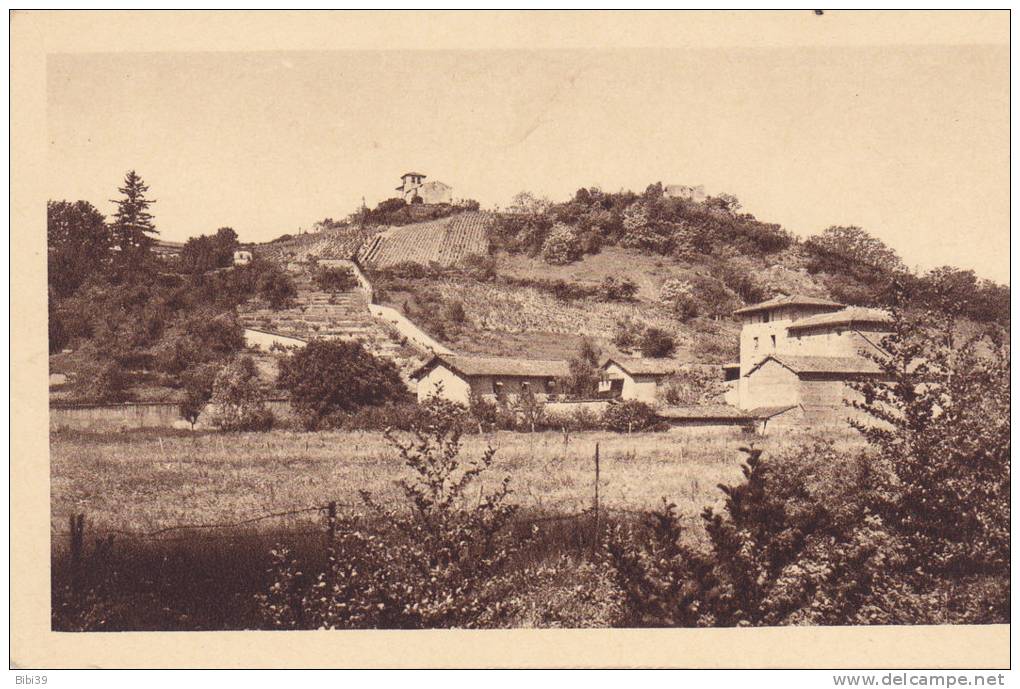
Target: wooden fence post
{"x":595,"y":540}
{"x":331,"y":520}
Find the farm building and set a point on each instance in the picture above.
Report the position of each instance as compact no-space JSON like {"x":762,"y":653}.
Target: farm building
{"x":635,"y":379}
{"x":458,"y":376}
{"x":805,"y":352}
{"x":242,"y":258}
{"x":818,"y":385}
{"x":413,"y":184}
{"x":723,"y":417}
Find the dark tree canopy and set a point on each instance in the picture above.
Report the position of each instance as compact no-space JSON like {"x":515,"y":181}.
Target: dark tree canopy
{"x":204,"y":253}
{"x":78,"y":244}
{"x":657,"y":343}
{"x":330,"y":376}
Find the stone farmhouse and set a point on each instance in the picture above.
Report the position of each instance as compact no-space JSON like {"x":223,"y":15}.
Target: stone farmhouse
{"x":413,"y":184}
{"x":805,"y":352}
{"x":458,"y":376}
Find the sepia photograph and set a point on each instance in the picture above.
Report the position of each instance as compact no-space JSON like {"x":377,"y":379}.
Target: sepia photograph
{"x":641,"y":335}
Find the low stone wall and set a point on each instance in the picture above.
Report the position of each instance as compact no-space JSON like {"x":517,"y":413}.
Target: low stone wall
{"x":568,"y":407}
{"x":115,"y":417}
{"x":260,"y":339}
{"x":132,"y":415}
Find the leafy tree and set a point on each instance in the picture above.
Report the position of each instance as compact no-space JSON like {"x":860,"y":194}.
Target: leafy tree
{"x":582,"y":382}
{"x":198,"y":390}
{"x":78,"y":244}
{"x":529,"y":409}
{"x":944,"y":428}
{"x":657,"y":343}
{"x":237,"y":398}
{"x":204,"y":253}
{"x":132,"y":227}
{"x":330,"y":376}
{"x":561,"y":246}
{"x":275,"y":286}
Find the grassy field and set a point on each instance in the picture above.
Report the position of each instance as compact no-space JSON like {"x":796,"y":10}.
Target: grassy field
{"x":129,"y":484}
{"x":145,"y":481}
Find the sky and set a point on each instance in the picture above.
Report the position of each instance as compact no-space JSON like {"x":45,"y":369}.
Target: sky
{"x":910,"y":143}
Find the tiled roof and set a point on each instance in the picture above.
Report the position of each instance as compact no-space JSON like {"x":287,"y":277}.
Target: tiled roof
{"x":704,"y":411}
{"x":849,"y":317}
{"x":646,"y":367}
{"x":821,"y":364}
{"x":411,"y":174}
{"x":792,"y":300}
{"x":497,"y":366}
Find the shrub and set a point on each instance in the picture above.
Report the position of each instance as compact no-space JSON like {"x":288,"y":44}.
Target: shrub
{"x":453,"y":311}
{"x":275,"y":286}
{"x":693,"y":386}
{"x":628,"y":416}
{"x":102,"y":381}
{"x":330,"y":376}
{"x":657,"y":343}
{"x":237,"y":398}
{"x":561,"y":246}
{"x":744,"y":284}
{"x":678,"y":296}
{"x":481,"y":268}
{"x":627,"y":334}
{"x":437,"y":563}
{"x":338,"y":279}
{"x":611,"y":289}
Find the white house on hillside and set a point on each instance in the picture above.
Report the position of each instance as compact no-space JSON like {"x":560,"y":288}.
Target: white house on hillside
{"x":413,"y":184}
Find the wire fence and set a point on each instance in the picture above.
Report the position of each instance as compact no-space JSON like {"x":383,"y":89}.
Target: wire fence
{"x":328,"y":511}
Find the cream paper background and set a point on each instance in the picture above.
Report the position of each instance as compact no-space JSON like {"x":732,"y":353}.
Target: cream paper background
{"x":34,"y":34}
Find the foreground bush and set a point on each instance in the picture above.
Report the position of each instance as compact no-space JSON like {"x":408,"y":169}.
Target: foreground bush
{"x":434,"y":562}
{"x":913,"y":531}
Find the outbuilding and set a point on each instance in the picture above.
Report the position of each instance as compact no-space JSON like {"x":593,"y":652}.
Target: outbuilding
{"x":459,"y":376}
{"x":635,"y":379}
{"x":819,"y":385}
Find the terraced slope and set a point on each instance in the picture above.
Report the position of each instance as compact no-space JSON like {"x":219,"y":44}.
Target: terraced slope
{"x":444,"y":241}
{"x":343,"y":243}
{"x":318,"y":314}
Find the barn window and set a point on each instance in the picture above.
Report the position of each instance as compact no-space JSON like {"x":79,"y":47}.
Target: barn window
{"x":756,"y":344}
{"x":765,"y":317}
